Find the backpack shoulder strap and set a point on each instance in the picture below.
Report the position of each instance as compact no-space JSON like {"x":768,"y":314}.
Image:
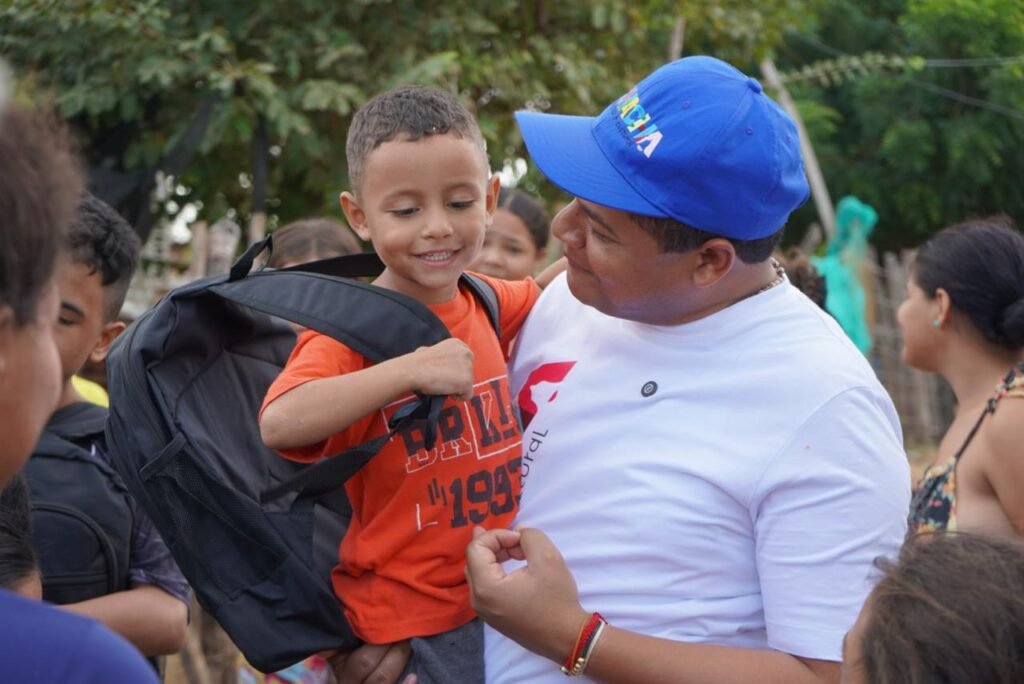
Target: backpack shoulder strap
{"x":487,"y":296}
{"x":78,"y":421}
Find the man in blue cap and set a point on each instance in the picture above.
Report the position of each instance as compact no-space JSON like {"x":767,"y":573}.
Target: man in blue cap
{"x":710,"y":467}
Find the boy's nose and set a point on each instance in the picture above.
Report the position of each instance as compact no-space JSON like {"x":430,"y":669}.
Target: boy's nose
{"x":437,"y":225}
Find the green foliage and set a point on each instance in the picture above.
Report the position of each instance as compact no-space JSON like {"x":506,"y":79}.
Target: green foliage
{"x":909,"y":137}
{"x":130,"y":74}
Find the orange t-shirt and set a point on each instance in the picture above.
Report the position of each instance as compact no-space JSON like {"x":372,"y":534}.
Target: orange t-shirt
{"x":401,"y":562}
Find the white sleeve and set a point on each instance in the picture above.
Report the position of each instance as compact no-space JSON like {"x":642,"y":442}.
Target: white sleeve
{"x":835,"y":499}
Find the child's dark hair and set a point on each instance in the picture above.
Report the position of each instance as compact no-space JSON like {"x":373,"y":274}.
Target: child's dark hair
{"x":804,"y":276}
{"x":312,"y":239}
{"x":980,"y":263}
{"x":410,"y":112}
{"x":102,"y":240}
{"x":530,"y":212}
{"x":17,"y":558}
{"x":40,"y":180}
{"x":950,"y":610}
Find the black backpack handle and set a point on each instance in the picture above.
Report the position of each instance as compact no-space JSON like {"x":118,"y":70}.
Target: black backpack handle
{"x":243,"y":265}
{"x":365,"y":264}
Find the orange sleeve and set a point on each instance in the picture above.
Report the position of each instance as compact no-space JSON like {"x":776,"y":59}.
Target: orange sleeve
{"x":515,"y":299}
{"x":315,"y":356}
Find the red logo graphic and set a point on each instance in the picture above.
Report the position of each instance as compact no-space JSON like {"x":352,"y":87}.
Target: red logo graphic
{"x":550,"y":373}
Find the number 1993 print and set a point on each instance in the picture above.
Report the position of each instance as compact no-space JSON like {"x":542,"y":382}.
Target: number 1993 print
{"x":480,"y":495}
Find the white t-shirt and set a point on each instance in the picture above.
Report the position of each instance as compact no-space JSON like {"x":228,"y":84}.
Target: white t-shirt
{"x":726,"y":481}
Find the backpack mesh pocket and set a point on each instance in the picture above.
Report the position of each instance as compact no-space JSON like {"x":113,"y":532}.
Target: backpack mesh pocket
{"x":237,"y":548}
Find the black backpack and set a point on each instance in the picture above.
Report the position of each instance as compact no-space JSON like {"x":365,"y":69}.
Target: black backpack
{"x":255,"y":535}
{"x":81,"y":517}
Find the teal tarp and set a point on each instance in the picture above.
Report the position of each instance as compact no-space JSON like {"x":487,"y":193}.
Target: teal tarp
{"x":841,"y":267}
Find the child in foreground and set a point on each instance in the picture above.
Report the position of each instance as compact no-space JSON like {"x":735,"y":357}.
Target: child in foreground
{"x":950,"y":609}
{"x":422,"y":193}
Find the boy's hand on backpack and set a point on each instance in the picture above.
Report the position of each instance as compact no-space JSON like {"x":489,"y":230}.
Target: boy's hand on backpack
{"x":445,"y":369}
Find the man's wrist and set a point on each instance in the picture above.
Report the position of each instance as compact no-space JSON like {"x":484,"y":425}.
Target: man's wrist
{"x":567,"y":634}
{"x":590,"y":633}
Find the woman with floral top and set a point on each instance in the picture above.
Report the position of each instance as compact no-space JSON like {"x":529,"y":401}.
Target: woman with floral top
{"x":964,"y":320}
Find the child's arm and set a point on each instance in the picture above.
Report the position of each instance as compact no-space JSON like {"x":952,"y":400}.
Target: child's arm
{"x":154,"y":622}
{"x":545,"y":277}
{"x":314,"y":411}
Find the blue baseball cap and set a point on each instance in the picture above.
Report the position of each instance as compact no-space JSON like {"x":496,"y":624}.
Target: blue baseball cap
{"x":697,"y":141}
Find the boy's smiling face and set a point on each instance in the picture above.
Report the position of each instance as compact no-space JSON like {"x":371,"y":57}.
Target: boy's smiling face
{"x":425,"y":205}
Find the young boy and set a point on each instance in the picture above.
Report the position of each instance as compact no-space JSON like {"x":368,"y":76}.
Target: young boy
{"x":70,"y":468}
{"x":422,"y":193}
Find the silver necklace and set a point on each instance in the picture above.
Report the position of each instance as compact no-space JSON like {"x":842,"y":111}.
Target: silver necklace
{"x":780,"y":275}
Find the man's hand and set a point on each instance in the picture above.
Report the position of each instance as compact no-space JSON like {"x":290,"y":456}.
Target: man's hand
{"x":373,"y":664}
{"x":536,"y":605}
{"x":445,"y":369}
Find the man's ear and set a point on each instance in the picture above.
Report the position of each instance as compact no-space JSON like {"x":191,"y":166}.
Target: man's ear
{"x":107,"y":336}
{"x":491,"y":200}
{"x":355,"y":215}
{"x":715,"y":258}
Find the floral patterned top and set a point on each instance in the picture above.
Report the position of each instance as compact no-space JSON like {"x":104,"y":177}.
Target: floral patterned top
{"x":933,"y":507}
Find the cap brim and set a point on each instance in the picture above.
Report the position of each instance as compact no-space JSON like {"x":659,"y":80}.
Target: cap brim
{"x":564,"y":149}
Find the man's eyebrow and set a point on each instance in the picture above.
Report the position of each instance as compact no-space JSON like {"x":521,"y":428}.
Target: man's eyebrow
{"x":71,"y":307}
{"x":594,"y":217}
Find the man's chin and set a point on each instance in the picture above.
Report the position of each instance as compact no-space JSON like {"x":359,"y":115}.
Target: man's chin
{"x":581,"y":285}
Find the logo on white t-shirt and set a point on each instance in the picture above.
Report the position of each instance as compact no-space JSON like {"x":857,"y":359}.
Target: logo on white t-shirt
{"x":541,"y":387}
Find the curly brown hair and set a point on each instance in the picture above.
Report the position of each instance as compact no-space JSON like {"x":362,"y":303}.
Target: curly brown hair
{"x":951,"y":610}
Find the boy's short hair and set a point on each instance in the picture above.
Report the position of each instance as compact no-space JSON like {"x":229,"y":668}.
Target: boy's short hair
{"x":102,"y":240}
{"x":412,"y":112}
{"x":40,"y":179}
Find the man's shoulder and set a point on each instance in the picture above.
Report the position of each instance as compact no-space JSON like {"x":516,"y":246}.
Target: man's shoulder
{"x":799,"y":329}
{"x":40,"y":643}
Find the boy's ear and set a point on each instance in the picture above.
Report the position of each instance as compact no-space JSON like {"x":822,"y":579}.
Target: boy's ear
{"x":108,"y":334}
{"x":493,"y":188}
{"x":355,"y":215}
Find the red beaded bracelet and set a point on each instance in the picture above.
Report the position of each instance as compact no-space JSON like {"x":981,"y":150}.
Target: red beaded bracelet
{"x":591,"y":630}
